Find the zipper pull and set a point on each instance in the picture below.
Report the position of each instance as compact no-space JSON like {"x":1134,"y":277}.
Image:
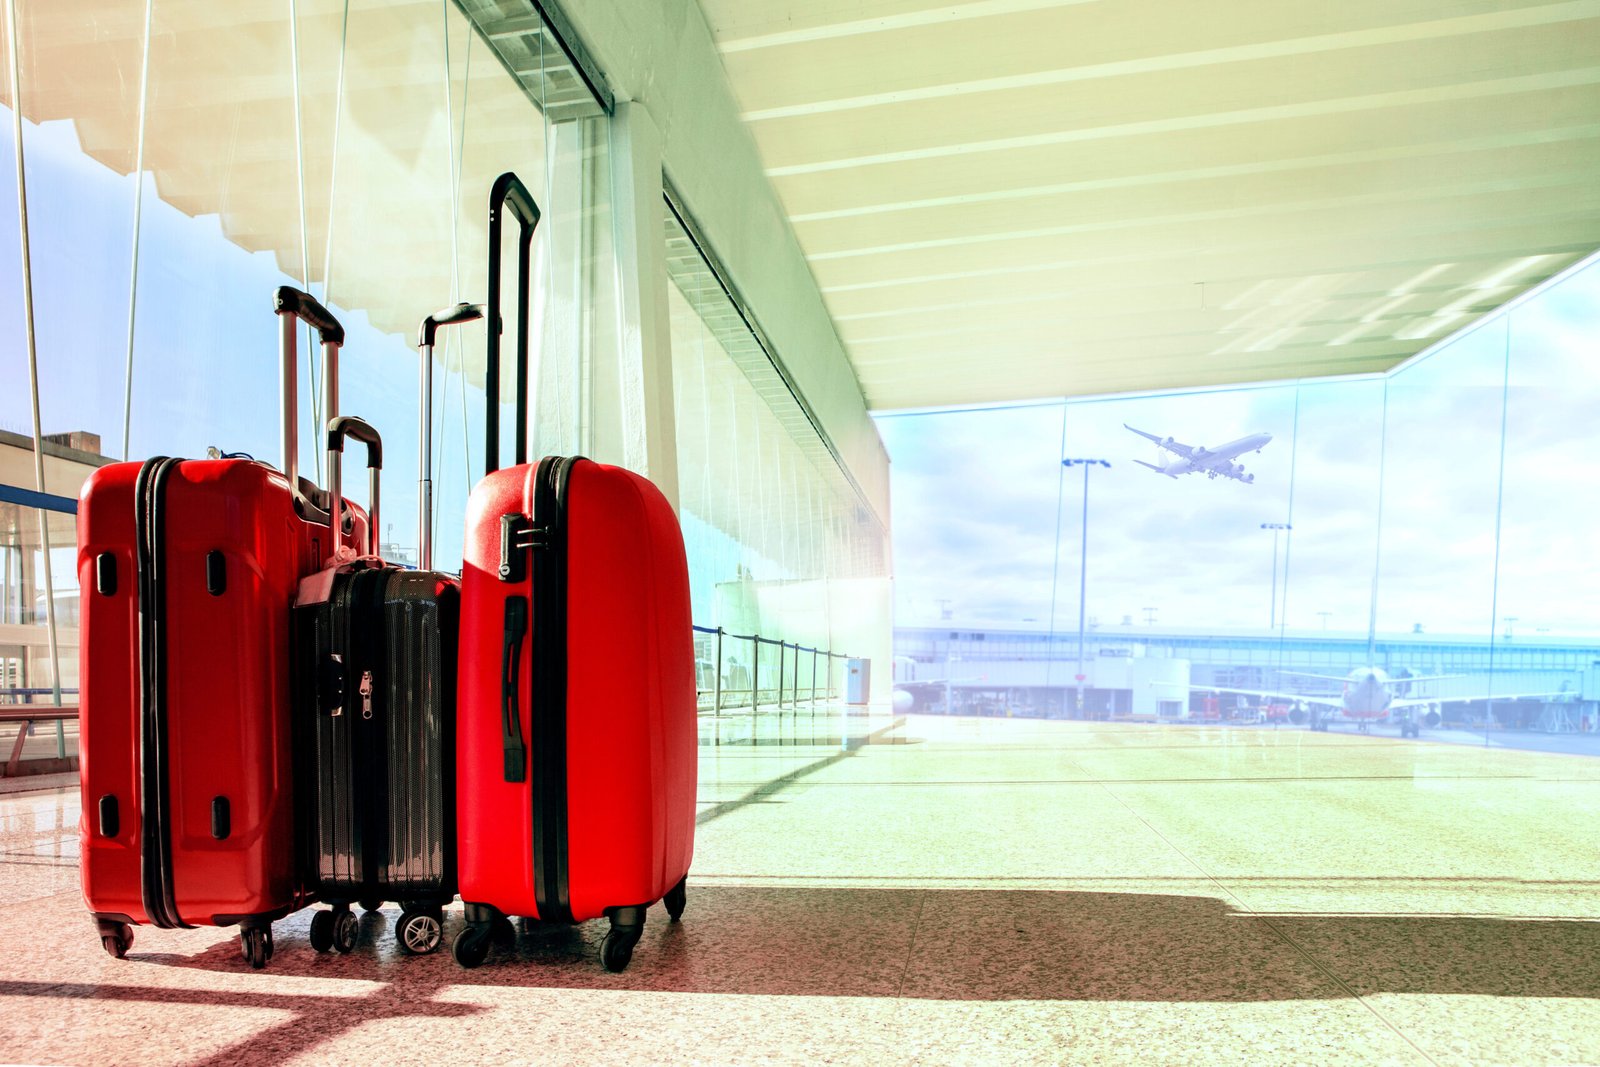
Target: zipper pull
{"x":366,"y":694}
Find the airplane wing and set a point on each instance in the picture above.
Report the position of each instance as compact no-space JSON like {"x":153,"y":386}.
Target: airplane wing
{"x":1152,"y":466}
{"x":1417,"y":702}
{"x":1340,"y":678}
{"x":1291,"y":698}
{"x":1165,"y":442}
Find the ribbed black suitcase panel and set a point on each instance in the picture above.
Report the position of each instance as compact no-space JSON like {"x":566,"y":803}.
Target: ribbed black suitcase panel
{"x":333,"y":640}
{"x":422,"y":620}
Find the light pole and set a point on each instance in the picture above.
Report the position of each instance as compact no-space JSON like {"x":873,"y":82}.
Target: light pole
{"x":1275,"y":527}
{"x":1083,"y":563}
{"x":1325,"y":615}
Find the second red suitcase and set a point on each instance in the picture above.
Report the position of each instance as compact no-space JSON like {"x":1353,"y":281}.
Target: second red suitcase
{"x":576,"y":733}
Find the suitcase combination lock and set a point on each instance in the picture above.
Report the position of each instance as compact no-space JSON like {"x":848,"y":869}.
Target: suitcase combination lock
{"x":517,"y":536}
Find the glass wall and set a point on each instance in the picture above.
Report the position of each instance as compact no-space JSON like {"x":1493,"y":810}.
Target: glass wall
{"x":1277,"y":546}
{"x":781,"y":543}
{"x":180,"y":161}
{"x":344,"y":147}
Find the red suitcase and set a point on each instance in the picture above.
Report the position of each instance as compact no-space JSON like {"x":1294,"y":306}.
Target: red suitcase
{"x":576,"y":735}
{"x":188,"y":570}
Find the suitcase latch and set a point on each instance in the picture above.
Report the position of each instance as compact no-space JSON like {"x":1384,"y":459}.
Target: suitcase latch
{"x":366,"y":694}
{"x":518,"y":534}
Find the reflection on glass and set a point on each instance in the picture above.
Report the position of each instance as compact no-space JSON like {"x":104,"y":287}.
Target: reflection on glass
{"x":779,"y":543}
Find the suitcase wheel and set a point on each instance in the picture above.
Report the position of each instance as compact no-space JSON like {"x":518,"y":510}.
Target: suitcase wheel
{"x":471,"y":946}
{"x":346,"y":930}
{"x":322,"y":931}
{"x":627,"y":925}
{"x":371,"y":904}
{"x":116,"y":938}
{"x":419,"y":933}
{"x":677,"y":897}
{"x":255,"y":944}
{"x":617,"y":950}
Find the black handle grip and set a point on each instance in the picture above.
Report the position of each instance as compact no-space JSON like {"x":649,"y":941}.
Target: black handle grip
{"x":508,"y":191}
{"x":349,"y":426}
{"x":516,"y":754}
{"x":451,"y":316}
{"x":287,"y":300}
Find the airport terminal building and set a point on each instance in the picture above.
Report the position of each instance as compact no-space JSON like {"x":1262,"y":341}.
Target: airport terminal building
{"x":1136,"y":672}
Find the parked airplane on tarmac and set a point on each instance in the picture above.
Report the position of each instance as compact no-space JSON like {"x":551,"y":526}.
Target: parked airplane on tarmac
{"x":1188,"y":459}
{"x":1368,"y":698}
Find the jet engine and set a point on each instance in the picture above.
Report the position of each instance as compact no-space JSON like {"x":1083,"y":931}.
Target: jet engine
{"x":903,"y":700}
{"x":1430,"y":717}
{"x":1298,"y":716}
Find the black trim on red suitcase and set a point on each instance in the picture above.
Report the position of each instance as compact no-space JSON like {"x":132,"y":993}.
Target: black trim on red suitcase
{"x":548,"y":716}
{"x":155,"y":856}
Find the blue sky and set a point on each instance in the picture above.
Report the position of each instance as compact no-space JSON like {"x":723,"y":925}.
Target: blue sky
{"x":975,"y":497}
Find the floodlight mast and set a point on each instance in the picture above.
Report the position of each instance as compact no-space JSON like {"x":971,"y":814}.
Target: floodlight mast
{"x":1275,"y":527}
{"x":1083,"y":564}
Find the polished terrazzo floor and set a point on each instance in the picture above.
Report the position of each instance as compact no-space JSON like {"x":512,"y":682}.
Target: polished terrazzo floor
{"x":931,"y":890}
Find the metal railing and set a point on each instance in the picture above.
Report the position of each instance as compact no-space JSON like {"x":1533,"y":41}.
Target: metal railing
{"x":735,"y":672}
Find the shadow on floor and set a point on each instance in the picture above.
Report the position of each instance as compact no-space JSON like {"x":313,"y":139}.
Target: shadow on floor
{"x":970,"y":945}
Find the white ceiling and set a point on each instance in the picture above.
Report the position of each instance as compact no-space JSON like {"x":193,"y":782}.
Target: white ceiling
{"x":1020,"y":198}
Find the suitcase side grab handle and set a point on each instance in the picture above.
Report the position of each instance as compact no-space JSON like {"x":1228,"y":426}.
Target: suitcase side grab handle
{"x":516,"y":754}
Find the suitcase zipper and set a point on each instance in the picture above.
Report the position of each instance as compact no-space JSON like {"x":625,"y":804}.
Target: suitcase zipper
{"x":548,"y":714}
{"x":155,"y":857}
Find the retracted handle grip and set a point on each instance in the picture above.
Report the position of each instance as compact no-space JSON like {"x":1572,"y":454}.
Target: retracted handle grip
{"x":290,"y":304}
{"x":338,"y":429}
{"x":508,"y":192}
{"x":426,"y":333}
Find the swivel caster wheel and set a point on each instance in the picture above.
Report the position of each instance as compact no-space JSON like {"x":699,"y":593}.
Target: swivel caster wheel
{"x":677,"y":897}
{"x":471,"y":946}
{"x":116,"y":939}
{"x":504,"y":931}
{"x":627,"y":926}
{"x":616,"y":951}
{"x":419,"y":933}
{"x":346,"y":930}
{"x":255,"y":944}
{"x":371,"y":904}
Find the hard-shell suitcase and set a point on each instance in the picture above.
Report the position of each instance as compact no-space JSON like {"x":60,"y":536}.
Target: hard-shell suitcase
{"x":188,"y":570}
{"x":577,"y":733}
{"x":375,"y":650}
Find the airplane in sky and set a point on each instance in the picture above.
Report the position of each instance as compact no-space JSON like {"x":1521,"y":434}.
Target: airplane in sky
{"x":1369,"y":695}
{"x":1188,"y":459}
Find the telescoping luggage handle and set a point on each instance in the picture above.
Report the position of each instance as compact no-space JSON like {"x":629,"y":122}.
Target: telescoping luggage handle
{"x":291,"y":304}
{"x":451,"y":316}
{"x":508,"y":192}
{"x":338,"y":429}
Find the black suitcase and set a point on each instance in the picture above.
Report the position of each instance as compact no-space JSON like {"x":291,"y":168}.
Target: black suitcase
{"x":376,"y":647}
